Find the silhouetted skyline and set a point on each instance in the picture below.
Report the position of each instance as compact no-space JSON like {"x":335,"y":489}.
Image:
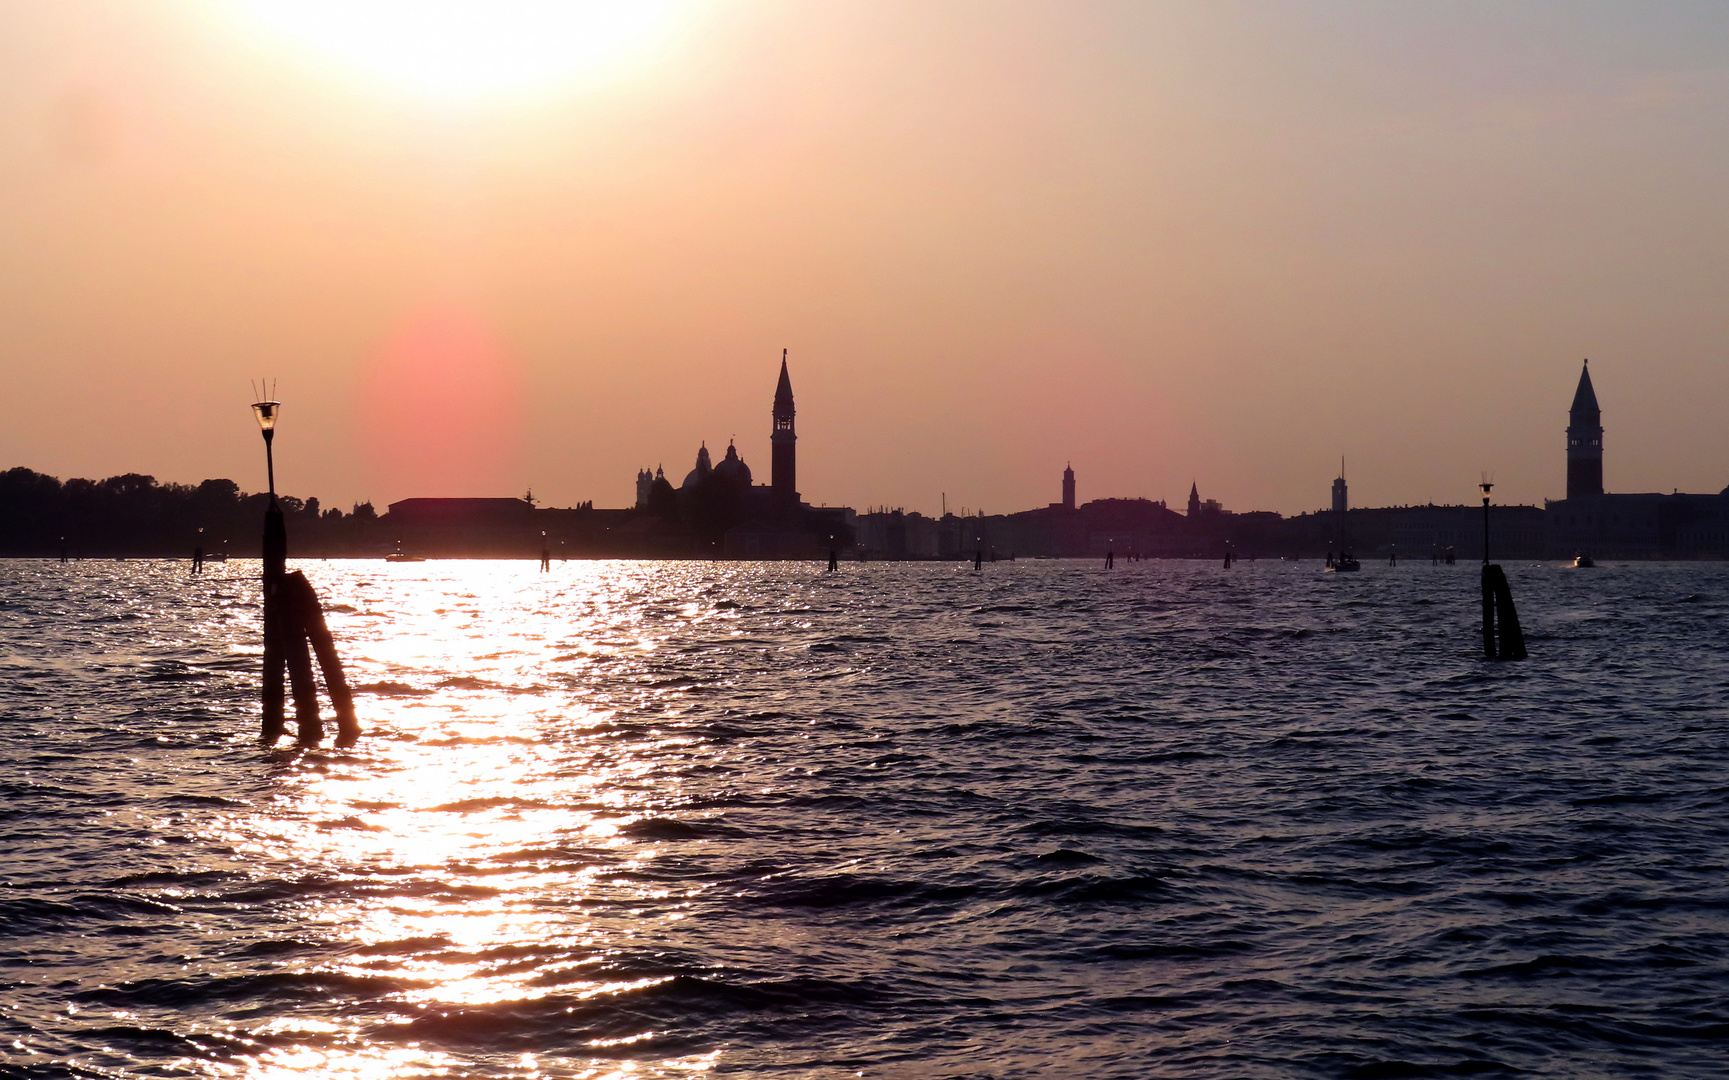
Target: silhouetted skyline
{"x":1164,"y":242}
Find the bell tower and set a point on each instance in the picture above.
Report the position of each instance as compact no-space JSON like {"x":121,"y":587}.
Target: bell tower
{"x":783,"y":465}
{"x":1584,"y":441}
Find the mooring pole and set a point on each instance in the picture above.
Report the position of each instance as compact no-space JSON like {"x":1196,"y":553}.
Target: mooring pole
{"x":275,"y":565}
{"x":316,"y":631}
{"x":275,"y":629}
{"x":1502,"y":637}
{"x":309,"y":727}
{"x":295,"y":631}
{"x":1488,"y":584}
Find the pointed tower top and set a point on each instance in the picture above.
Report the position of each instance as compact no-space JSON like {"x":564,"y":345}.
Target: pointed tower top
{"x":1585,"y":398}
{"x":783,"y":389}
{"x":1194,"y":490}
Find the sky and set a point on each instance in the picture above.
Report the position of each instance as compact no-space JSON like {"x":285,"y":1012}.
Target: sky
{"x":486,"y":248}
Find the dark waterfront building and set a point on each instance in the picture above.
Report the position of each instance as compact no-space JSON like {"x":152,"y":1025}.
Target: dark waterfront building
{"x":1069,"y":486}
{"x":1647,"y":525}
{"x":472,"y":526}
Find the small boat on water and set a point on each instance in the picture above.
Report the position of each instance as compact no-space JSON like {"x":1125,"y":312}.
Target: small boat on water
{"x":1342,"y":563}
{"x":1583,"y":562}
{"x":400,"y":555}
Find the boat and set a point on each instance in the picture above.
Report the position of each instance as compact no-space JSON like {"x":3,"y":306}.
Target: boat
{"x":400,"y":555}
{"x":1583,"y":562}
{"x":1345,"y":564}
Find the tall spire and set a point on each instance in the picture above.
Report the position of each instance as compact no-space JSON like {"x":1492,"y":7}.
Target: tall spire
{"x":1584,"y":440}
{"x":783,"y":392}
{"x":1585,"y":398}
{"x":783,"y":465}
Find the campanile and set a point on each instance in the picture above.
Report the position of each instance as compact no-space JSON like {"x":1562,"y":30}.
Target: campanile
{"x":783,"y":465}
{"x":1584,"y":440}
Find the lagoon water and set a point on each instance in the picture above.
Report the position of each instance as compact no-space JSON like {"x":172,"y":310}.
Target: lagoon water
{"x":662,"y":819}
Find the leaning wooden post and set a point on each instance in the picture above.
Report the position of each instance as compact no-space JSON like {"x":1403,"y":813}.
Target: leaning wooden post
{"x":275,"y":629}
{"x":312,"y":624}
{"x":309,"y":726}
{"x":1510,"y":639}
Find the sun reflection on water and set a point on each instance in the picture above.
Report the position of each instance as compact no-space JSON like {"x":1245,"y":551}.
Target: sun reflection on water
{"x":473,"y":853}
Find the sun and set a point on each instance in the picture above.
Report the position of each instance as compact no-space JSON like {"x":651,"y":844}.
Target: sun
{"x":465,"y":51}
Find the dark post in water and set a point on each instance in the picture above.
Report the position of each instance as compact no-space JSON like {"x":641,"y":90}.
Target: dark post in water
{"x":1502,"y":638}
{"x":294,"y":629}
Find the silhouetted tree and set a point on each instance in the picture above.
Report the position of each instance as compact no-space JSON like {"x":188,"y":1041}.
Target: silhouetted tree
{"x":131,"y":514}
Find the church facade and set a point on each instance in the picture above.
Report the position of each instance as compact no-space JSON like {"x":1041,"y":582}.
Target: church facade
{"x":1643,"y":525}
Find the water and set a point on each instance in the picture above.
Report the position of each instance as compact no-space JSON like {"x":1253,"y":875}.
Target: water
{"x":652,"y":820}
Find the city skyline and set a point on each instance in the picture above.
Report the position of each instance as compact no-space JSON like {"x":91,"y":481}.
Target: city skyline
{"x":1165,"y":245}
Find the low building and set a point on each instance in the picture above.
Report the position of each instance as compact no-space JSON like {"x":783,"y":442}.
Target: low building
{"x":463,"y":527}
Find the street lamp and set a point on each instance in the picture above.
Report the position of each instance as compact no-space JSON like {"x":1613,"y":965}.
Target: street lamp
{"x":267,"y":411}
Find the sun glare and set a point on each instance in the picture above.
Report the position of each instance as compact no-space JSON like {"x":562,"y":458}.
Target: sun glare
{"x":465,"y":50}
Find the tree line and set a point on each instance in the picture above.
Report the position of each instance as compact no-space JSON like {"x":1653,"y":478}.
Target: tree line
{"x":133,"y":515}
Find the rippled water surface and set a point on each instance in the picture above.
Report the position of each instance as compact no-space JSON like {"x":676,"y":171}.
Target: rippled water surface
{"x":661,"y":819}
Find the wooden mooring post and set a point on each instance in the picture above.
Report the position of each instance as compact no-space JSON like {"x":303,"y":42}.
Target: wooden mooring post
{"x":1502,"y":637}
{"x":294,"y":628}
{"x":275,"y":660}
{"x":294,"y":633}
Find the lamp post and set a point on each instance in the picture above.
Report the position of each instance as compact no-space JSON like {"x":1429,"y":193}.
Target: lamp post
{"x":272,"y":571}
{"x":1486,"y":486}
{"x":266,"y":412}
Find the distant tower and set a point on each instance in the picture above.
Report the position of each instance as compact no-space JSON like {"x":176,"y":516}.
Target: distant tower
{"x":644,"y":483}
{"x":783,"y":466}
{"x":1194,"y":500}
{"x":1340,"y":502}
{"x":1584,"y":440}
{"x":1069,"y":487}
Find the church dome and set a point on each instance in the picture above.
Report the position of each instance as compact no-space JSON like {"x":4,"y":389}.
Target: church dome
{"x":732,"y":467}
{"x":703,"y":468}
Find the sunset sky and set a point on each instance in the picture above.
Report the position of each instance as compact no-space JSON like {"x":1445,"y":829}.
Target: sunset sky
{"x":549,"y":245}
